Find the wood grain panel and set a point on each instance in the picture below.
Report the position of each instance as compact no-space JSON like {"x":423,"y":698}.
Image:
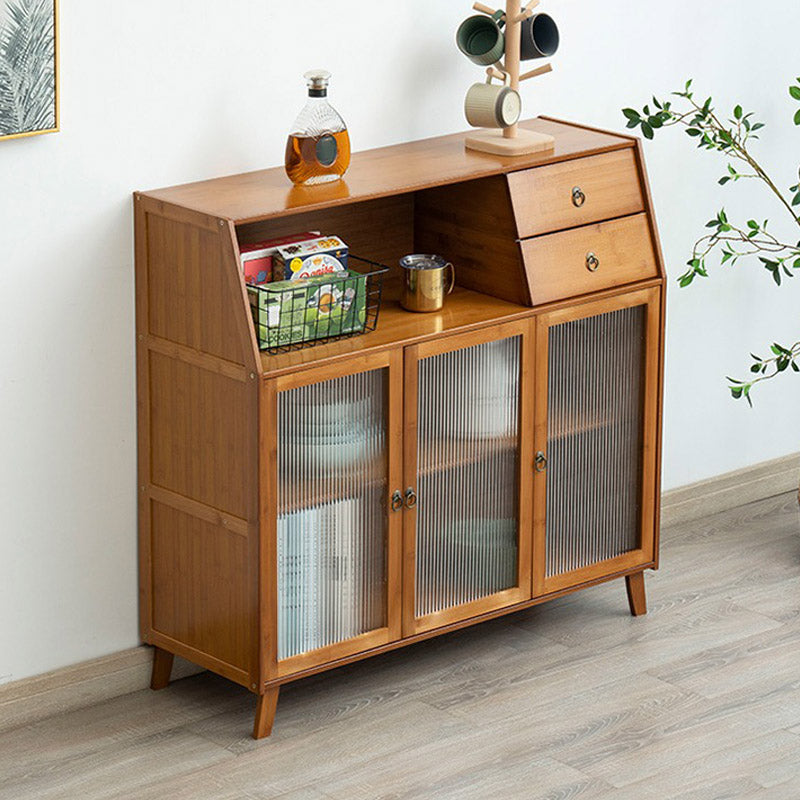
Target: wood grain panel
{"x":471,"y":224}
{"x":543,"y":200}
{"x":662,"y":271}
{"x":556,"y":263}
{"x":378,"y":173}
{"x":200,"y":440}
{"x":188,"y":289}
{"x":380,"y":230}
{"x":463,"y":311}
{"x":200,"y":586}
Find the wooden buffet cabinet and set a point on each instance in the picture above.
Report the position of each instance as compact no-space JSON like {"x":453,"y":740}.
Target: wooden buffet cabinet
{"x":304,"y":510}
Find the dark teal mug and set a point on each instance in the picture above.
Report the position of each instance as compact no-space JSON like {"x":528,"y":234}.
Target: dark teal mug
{"x":539,"y":37}
{"x":480,"y":39}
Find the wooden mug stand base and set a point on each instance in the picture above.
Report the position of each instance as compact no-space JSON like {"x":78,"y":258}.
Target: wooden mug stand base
{"x":495,"y":142}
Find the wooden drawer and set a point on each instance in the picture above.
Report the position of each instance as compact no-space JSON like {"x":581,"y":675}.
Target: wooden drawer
{"x":557,"y":265}
{"x":543,"y":197}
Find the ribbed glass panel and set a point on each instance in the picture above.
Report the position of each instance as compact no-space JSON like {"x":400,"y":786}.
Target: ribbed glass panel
{"x":467,"y":485}
{"x":594,"y":432}
{"x":332,"y":485}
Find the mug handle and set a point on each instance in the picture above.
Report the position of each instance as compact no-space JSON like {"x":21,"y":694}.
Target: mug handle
{"x":498,"y":18}
{"x":452,"y":269}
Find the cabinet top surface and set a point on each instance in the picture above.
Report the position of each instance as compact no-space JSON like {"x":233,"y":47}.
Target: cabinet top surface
{"x":252,"y":196}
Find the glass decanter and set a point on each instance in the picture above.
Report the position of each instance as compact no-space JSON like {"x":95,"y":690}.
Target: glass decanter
{"x":318,"y":147}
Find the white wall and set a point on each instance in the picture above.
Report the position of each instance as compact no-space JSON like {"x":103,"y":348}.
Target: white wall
{"x":158,"y":92}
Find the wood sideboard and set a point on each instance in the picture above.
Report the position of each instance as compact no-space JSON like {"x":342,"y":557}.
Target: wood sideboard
{"x":304,"y":510}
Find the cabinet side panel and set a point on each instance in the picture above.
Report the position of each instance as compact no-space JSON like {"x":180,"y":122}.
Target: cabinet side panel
{"x":198,"y":440}
{"x":200,"y":435}
{"x":200,"y":587}
{"x":188,"y":289}
{"x":651,"y":216}
{"x":472,"y":225}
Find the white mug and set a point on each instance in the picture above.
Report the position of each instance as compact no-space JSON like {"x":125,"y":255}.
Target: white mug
{"x":492,"y":106}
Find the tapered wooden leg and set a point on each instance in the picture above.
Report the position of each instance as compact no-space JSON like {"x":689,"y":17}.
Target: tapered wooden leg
{"x":162,"y":667}
{"x":265,"y":713}
{"x":637,"y":600}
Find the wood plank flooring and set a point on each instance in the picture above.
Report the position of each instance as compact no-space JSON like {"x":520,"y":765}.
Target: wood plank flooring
{"x":572,"y":699}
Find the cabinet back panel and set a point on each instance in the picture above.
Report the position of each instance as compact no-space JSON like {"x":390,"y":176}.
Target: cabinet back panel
{"x":381,"y":230}
{"x":200,"y":434}
{"x":594,"y":428}
{"x":201,"y":585}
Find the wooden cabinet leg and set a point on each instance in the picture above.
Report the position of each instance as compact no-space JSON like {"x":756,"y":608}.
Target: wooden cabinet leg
{"x":265,"y":713}
{"x":162,"y":667}
{"x":637,"y":600}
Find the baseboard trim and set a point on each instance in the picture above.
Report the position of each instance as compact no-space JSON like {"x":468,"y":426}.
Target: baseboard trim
{"x":731,"y":490}
{"x":31,"y":699}
{"x":26,"y":701}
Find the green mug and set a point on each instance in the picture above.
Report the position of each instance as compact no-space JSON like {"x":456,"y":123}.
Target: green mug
{"x":481,"y":39}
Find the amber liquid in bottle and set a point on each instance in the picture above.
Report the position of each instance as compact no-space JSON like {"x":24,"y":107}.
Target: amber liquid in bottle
{"x":317,"y":159}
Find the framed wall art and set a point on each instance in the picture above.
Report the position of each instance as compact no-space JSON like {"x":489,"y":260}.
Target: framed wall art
{"x":28,"y":67}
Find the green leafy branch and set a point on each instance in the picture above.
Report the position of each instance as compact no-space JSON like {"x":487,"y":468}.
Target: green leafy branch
{"x":781,"y":360}
{"x":737,"y":242}
{"x":733,"y":137}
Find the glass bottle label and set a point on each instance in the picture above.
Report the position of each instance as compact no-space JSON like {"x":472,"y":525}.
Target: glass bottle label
{"x":327,"y":150}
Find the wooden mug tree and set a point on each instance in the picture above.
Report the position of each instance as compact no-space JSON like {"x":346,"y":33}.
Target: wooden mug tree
{"x":513,"y":140}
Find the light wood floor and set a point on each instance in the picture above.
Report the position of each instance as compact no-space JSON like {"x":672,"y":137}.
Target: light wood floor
{"x":573,"y":699}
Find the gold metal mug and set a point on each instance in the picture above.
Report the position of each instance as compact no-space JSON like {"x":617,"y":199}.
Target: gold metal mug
{"x":424,"y":282}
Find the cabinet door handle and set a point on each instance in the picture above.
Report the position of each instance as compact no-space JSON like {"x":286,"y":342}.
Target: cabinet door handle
{"x":592,"y":262}
{"x":540,"y":465}
{"x":397,"y":500}
{"x":578,"y":197}
{"x":411,"y":498}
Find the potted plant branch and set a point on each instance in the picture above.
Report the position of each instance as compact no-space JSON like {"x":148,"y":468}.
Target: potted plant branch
{"x":730,"y":240}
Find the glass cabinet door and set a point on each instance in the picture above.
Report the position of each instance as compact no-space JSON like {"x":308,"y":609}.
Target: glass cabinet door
{"x":596,"y":439}
{"x":337,"y":549}
{"x":466,"y":521}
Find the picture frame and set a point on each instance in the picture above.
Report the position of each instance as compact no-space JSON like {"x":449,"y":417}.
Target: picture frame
{"x":29,"y":68}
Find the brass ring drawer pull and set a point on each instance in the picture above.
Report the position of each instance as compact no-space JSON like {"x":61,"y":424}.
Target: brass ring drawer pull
{"x":397,"y":500}
{"x":592,"y":262}
{"x":578,"y":197}
{"x":411,"y":498}
{"x":540,"y":464}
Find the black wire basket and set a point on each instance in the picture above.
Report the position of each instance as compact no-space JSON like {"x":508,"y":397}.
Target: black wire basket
{"x":297,"y":314}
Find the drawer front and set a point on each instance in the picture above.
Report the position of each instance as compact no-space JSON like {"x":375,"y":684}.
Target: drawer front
{"x":589,"y":259}
{"x":574,"y":193}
